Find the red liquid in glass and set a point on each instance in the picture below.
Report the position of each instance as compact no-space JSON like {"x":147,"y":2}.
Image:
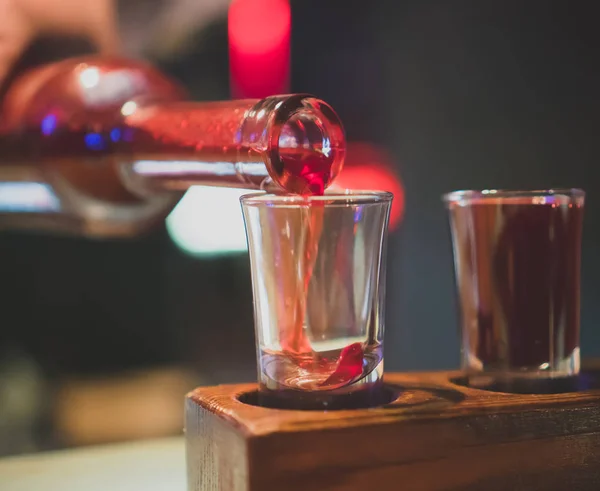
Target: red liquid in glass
{"x":314,"y":170}
{"x":518,"y":272}
{"x":322,"y":380}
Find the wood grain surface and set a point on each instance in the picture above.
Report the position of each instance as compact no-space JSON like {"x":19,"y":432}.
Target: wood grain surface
{"x":436,"y":436}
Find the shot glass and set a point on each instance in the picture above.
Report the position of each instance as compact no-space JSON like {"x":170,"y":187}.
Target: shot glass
{"x":318,"y":276}
{"x":517,"y":263}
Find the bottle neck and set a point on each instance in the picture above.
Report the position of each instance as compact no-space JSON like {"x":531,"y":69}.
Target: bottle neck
{"x":175,"y":145}
{"x":281,"y":143}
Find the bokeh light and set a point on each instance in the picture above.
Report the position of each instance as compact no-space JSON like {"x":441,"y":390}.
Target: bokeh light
{"x":369,"y":167}
{"x":208,"y":222}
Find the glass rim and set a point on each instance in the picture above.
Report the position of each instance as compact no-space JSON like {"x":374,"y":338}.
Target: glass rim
{"x":471,"y":195}
{"x":330,"y":198}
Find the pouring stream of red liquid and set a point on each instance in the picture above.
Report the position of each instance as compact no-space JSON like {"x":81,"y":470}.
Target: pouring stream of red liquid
{"x":293,"y":338}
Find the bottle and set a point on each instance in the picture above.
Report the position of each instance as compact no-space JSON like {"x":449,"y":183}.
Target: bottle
{"x":106,"y":147}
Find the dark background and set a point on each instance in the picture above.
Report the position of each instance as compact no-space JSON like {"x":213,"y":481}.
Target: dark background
{"x":463,"y":94}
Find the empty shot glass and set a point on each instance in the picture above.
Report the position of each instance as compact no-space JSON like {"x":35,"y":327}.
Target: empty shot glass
{"x":517,"y":264}
{"x":318,"y":275}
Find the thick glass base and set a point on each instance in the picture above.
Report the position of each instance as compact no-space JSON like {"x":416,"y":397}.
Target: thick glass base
{"x":555,"y":376}
{"x":366,"y":392}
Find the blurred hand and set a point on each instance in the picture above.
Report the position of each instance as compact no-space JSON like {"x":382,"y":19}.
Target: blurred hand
{"x":22,"y":21}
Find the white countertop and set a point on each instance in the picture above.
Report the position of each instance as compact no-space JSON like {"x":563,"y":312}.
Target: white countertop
{"x":152,"y":465}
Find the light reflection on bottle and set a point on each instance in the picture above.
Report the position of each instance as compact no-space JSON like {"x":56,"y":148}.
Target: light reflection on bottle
{"x":48,"y":124}
{"x":27,"y":197}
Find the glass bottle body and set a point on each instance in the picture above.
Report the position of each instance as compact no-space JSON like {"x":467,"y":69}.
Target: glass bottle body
{"x":107,"y":147}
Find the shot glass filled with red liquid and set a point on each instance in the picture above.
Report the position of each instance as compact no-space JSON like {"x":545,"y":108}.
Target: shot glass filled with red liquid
{"x":318,"y":274}
{"x":517,"y":263}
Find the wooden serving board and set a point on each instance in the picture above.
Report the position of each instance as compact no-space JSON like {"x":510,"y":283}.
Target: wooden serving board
{"x":436,"y":435}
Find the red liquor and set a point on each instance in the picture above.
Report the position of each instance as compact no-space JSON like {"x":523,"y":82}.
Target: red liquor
{"x":346,"y":378}
{"x":518,"y":275}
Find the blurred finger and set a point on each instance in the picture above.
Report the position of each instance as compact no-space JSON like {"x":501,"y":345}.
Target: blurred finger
{"x":95,"y":21}
{"x":15,"y":35}
{"x":23,"y":20}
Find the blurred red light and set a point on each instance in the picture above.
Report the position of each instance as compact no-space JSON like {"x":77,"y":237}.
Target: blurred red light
{"x":259,"y":47}
{"x":256,"y":26}
{"x":368,"y":167}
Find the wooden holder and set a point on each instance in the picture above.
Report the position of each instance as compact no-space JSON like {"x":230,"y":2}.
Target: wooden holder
{"x":436,"y":436}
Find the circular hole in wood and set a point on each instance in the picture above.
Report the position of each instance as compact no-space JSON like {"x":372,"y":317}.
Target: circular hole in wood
{"x":585,"y":381}
{"x":320,"y":401}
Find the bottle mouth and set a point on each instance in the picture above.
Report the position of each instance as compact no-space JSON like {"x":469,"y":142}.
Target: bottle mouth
{"x":307,"y":145}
